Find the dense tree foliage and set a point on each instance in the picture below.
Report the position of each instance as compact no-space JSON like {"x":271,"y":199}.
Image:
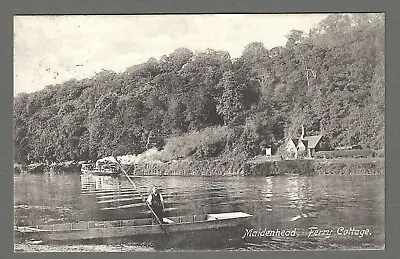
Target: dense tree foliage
{"x":331,"y":80}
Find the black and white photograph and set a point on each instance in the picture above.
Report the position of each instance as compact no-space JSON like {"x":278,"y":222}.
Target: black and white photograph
{"x":199,"y":132}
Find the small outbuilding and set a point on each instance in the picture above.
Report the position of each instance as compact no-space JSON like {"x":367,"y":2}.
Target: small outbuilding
{"x":268,"y":151}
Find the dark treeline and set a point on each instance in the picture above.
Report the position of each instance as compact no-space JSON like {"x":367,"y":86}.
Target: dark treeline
{"x":331,"y":80}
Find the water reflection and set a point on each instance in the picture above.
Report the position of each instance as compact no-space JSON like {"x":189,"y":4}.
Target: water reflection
{"x":283,"y":202}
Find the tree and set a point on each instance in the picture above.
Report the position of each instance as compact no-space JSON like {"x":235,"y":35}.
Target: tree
{"x":231,"y":103}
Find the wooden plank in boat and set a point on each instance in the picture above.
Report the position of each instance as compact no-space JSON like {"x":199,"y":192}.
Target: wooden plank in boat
{"x":122,"y":188}
{"x":129,"y":194}
{"x":169,"y":203}
{"x":106,"y":199}
{"x":140,"y":203}
{"x":128,"y":206}
{"x":229,"y":215}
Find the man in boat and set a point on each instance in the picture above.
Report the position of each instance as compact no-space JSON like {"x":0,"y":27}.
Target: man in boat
{"x":156,"y":202}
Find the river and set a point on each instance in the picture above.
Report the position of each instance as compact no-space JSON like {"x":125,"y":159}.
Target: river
{"x":338,"y":209}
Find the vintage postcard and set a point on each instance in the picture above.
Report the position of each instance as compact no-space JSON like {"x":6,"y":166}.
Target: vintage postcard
{"x":232,"y":132}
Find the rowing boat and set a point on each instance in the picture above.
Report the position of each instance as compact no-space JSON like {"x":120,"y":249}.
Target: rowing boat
{"x":132,"y":227}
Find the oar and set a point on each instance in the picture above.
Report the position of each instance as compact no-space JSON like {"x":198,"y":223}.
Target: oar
{"x":133,"y":184}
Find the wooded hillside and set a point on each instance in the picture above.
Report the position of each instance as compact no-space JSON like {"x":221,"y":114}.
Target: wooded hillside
{"x":331,"y":80}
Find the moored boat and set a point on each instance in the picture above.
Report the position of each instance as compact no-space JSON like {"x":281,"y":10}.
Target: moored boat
{"x":132,"y":227}
{"x":100,"y":169}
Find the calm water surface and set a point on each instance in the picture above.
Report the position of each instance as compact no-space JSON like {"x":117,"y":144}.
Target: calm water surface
{"x":278,"y":202}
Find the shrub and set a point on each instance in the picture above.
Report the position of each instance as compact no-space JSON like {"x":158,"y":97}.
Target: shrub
{"x":209,"y":142}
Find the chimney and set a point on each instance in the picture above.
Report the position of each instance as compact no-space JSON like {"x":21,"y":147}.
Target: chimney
{"x":302,"y":132}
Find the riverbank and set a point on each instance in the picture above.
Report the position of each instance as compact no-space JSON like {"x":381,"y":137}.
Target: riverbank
{"x":233,"y":167}
{"x":343,"y":166}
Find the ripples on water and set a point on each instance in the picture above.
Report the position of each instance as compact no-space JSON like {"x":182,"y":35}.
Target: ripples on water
{"x":278,"y":202}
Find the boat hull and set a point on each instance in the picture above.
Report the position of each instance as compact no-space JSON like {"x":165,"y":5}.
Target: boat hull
{"x":103,"y":231}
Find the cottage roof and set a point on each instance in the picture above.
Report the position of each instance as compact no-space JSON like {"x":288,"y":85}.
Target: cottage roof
{"x":305,"y":142}
{"x":297,"y":141}
{"x":313,"y":140}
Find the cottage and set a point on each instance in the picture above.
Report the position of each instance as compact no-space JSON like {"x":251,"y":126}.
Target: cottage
{"x":305,"y":146}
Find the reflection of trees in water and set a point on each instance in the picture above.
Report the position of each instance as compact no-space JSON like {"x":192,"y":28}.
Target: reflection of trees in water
{"x":327,"y":201}
{"x":46,"y":189}
{"x":47,"y":198}
{"x":100,"y":182}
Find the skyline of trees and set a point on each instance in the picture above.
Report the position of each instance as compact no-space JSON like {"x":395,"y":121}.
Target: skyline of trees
{"x":331,"y":80}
